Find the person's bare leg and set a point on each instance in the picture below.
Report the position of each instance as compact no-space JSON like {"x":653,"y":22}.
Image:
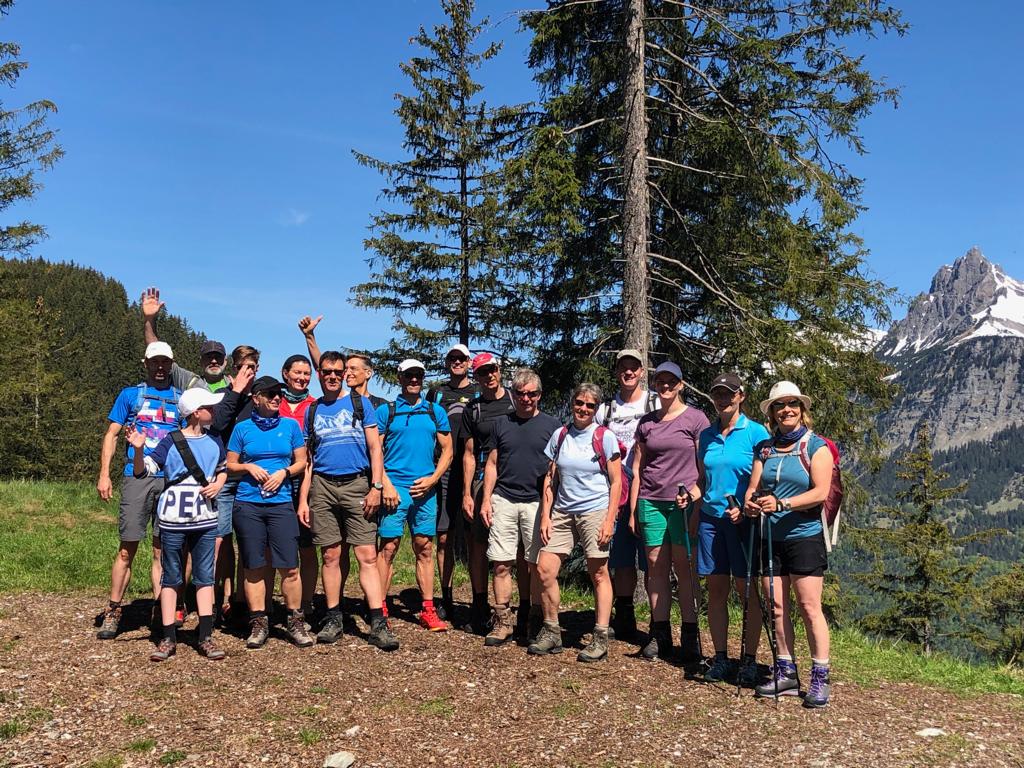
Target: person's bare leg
{"x":423,"y":549}
{"x":291,"y":588}
{"x":369,"y":576}
{"x":330,"y":575}
{"x":255,"y":586}
{"x":548,"y":565}
{"x":121,"y":571}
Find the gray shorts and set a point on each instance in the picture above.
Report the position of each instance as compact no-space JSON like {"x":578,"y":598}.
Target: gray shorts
{"x":138,"y":506}
{"x":336,"y":512}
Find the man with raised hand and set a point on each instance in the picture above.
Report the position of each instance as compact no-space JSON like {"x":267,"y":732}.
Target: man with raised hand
{"x":410,"y":428}
{"x":151,"y":409}
{"x":513,"y":479}
{"x":452,"y":395}
{"x":341,"y":496}
{"x":621,"y":414}
{"x":493,"y":402}
{"x":212,"y":354}
{"x":357,"y":375}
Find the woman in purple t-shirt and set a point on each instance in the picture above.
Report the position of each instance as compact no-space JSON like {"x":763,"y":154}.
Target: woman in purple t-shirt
{"x":665,"y":461}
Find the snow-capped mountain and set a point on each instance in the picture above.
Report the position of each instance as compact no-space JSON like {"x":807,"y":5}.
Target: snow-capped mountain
{"x":959,"y":356}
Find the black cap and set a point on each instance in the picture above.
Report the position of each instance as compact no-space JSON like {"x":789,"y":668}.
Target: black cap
{"x":212,"y":346}
{"x":728,"y":380}
{"x":266,"y":384}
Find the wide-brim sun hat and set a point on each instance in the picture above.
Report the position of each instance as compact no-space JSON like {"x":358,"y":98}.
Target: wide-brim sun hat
{"x":784,"y":390}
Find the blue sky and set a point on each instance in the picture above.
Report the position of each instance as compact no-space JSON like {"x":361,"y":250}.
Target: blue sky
{"x":208,"y":147}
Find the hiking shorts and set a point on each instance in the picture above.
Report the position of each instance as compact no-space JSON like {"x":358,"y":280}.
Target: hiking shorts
{"x":421,"y":515}
{"x":569,"y":530}
{"x":267,"y":525}
{"x":172,"y":557}
{"x":336,"y":511}
{"x":225,"y":505}
{"x":138,"y":507}
{"x":627,"y":550}
{"x":305,"y":532}
{"x":449,"y":505}
{"x":659,"y":519}
{"x":513,"y":522}
{"x":720,"y":545}
{"x":796,"y":557}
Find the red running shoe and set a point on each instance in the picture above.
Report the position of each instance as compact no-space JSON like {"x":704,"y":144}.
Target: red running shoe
{"x":430,"y":620}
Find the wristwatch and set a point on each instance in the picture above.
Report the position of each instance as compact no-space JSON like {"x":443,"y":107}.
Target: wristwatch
{"x":378,"y":486}
{"x":786,"y":505}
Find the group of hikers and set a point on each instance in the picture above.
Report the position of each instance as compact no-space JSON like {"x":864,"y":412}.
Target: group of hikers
{"x":640,"y":481}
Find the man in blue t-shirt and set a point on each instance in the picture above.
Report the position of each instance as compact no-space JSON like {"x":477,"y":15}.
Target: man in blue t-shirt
{"x":341,"y":495}
{"x":410,"y":428}
{"x":151,"y":408}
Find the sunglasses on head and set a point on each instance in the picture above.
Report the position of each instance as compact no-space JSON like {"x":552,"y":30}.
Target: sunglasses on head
{"x":523,"y":393}
{"x":584,"y":404}
{"x":779,"y":405}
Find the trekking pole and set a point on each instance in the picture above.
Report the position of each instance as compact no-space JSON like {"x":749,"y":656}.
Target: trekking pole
{"x":694,"y":583}
{"x":773,"y":639}
{"x":749,"y":554}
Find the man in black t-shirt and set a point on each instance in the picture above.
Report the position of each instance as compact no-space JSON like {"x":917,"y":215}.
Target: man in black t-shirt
{"x":493,"y":402}
{"x":513,"y":478}
{"x":453,"y":395}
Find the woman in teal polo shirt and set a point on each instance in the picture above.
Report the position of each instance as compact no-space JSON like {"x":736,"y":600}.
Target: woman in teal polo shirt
{"x":724,"y":458}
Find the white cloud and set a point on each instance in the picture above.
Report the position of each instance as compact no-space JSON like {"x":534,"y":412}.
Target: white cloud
{"x":294,"y":217}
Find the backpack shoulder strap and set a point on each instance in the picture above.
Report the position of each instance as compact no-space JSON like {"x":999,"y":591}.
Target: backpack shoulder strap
{"x":597,"y":442}
{"x":802,"y":449}
{"x":392,"y":408}
{"x":311,"y":437}
{"x":191,"y":381}
{"x":188,"y":459}
{"x":609,"y":405}
{"x":651,"y":402}
{"x":432,"y":395}
{"x":562,"y":433}
{"x":358,"y":414}
{"x":433,"y":414}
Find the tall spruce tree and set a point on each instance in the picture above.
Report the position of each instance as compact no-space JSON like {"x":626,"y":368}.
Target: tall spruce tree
{"x":27,"y":147}
{"x":441,"y":259}
{"x":919,"y":568}
{"x":751,"y":260}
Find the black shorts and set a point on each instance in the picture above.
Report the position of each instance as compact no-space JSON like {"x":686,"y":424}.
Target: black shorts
{"x":260,"y":526}
{"x":449,"y":499}
{"x":305,"y":534}
{"x":796,"y":557}
{"x":480,"y":532}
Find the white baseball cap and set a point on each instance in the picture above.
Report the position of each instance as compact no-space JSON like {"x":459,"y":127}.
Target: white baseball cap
{"x":192,"y":400}
{"x":409,"y":364}
{"x":462,"y":348}
{"x":159,"y":349}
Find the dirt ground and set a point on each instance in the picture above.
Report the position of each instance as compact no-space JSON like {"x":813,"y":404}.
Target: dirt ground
{"x":441,"y":700}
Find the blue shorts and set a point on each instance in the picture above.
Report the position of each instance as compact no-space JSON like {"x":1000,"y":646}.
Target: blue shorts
{"x":267,"y":525}
{"x":225,"y":503}
{"x":627,"y":550}
{"x":420,"y":513}
{"x":719,"y":551}
{"x":172,"y":556}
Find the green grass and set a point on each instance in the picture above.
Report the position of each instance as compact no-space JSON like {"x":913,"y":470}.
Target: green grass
{"x":439,"y":707}
{"x":109,"y":761}
{"x":134,"y":720}
{"x":172,"y":757}
{"x":11,"y":728}
{"x":142,"y":745}
{"x":310,"y":737}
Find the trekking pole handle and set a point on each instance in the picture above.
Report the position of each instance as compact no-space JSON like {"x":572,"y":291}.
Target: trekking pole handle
{"x":681,"y":491}
{"x":733,"y":504}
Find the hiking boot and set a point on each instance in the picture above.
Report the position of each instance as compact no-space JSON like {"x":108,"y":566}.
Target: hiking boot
{"x":689,"y":644}
{"x":478,"y":623}
{"x":719,"y":670}
{"x":501,"y":631}
{"x":333,"y":629}
{"x":111,"y":621}
{"x":297,"y":631}
{"x":597,"y":649}
{"x":382,"y":636}
{"x":783,"y":672}
{"x":549,"y":640}
{"x":164,"y":650}
{"x":259,"y":631}
{"x":210,"y":650}
{"x":660,"y":643}
{"x":624,"y":622}
{"x":430,"y":621}
{"x":747,"y":675}
{"x":819,"y":689}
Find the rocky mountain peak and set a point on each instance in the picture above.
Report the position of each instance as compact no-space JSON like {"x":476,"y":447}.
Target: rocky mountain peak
{"x":972,"y":298}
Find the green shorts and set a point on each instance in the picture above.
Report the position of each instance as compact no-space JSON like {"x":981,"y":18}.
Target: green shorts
{"x":657,"y":518}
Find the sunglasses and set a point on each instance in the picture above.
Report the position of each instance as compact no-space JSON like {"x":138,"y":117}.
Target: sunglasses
{"x":272,"y":395}
{"x":325,"y":372}
{"x":527,"y":395}
{"x":486,"y":371}
{"x":452,"y":359}
{"x":584,"y":404}
{"x":778,"y":406}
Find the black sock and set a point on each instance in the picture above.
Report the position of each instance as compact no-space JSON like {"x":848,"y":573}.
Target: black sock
{"x":624,"y":603}
{"x":170,"y":632}
{"x":376,"y":613}
{"x":446,"y":594}
{"x":524,"y":606}
{"x":721,"y":655}
{"x":748,"y":658}
{"x":205,"y":627}
{"x":114,"y":606}
{"x":253,"y":615}
{"x":334,"y":611}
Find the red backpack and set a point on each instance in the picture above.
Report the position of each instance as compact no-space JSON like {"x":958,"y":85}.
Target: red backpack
{"x":597,"y":442}
{"x":832,"y":507}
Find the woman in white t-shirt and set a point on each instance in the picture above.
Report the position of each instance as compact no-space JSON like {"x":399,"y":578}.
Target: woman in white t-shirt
{"x":579,"y":503}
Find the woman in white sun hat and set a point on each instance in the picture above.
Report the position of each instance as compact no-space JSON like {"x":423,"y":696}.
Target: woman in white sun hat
{"x":789,"y":482}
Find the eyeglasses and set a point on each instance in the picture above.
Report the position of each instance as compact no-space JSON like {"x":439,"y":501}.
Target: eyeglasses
{"x":584,"y":404}
{"x":325,"y":372}
{"x":779,"y":405}
{"x":525,"y":394}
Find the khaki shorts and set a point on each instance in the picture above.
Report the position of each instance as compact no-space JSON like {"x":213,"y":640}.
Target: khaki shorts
{"x":512,"y":522}
{"x":567,"y":530}
{"x":336,"y":512}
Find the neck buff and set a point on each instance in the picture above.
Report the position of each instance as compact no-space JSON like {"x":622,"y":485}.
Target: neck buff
{"x":265,"y":422}
{"x":295,"y":398}
{"x":789,"y":437}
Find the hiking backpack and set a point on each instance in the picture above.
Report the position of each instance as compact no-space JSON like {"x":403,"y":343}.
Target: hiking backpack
{"x":832,"y":507}
{"x":650,"y":405}
{"x":597,"y":443}
{"x":393,"y":408}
